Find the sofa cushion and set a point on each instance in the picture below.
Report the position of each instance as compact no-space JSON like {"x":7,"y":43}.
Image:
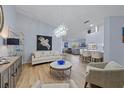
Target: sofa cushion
{"x":52,"y":53}
{"x":37,"y":55}
{"x":56,"y":53}
{"x":42,"y":58}
{"x":113,"y":65}
{"x":46,"y":53}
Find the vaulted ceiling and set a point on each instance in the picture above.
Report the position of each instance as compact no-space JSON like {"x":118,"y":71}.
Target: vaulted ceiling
{"x":73,"y":16}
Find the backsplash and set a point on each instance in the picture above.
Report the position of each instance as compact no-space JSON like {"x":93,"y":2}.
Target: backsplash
{"x":3,"y":51}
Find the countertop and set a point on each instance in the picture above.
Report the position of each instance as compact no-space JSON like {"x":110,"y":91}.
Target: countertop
{"x":11,"y":61}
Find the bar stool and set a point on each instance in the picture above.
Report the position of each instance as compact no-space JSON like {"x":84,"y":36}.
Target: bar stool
{"x":96,"y":56}
{"x":81,"y":54}
{"x":86,"y":56}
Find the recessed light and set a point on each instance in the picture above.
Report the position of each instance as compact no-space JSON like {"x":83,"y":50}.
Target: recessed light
{"x":91,"y":25}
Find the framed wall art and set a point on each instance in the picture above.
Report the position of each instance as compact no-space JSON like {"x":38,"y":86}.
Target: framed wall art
{"x":44,"y":42}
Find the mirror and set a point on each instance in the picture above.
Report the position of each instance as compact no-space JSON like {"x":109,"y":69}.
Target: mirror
{"x":1,"y":18}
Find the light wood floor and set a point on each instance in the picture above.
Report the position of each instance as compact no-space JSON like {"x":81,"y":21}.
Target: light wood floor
{"x":31,"y":74}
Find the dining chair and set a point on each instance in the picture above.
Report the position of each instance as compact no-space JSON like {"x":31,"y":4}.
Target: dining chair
{"x":96,"y":56}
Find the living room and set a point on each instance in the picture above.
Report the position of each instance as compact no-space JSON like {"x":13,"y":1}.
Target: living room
{"x":47,"y":47}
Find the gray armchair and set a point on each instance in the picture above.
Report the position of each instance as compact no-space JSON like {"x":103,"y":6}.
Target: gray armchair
{"x":105,"y":75}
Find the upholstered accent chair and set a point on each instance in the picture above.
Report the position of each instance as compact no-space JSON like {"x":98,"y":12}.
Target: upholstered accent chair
{"x":106,"y":75}
{"x":69,"y":84}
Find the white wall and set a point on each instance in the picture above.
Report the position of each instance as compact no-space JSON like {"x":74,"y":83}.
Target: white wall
{"x":9,"y":22}
{"x":107,"y":39}
{"x":32,"y":27}
{"x":114,"y":48}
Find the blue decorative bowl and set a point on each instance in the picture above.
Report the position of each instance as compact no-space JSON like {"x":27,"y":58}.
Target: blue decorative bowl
{"x":61,"y":62}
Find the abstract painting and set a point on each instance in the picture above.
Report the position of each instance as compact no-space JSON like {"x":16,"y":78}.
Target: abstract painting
{"x":123,"y":34}
{"x":44,"y":42}
{"x":65,"y":44}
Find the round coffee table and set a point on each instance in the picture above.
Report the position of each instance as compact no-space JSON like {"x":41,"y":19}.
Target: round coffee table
{"x":61,"y":69}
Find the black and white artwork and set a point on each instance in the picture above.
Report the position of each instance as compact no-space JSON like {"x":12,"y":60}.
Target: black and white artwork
{"x":44,"y":42}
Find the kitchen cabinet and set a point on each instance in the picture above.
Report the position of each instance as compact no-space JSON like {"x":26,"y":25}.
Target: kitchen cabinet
{"x":10,"y":72}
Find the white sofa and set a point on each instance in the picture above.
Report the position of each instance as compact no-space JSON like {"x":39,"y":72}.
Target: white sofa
{"x":45,"y":56}
{"x":69,"y":84}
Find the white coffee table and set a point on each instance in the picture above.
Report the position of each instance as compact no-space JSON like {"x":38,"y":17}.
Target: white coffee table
{"x":61,"y":69}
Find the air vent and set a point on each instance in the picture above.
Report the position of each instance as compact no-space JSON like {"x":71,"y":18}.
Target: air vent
{"x":86,"y":21}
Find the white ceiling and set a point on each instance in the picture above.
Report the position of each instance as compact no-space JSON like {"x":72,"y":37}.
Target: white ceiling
{"x":72,"y":15}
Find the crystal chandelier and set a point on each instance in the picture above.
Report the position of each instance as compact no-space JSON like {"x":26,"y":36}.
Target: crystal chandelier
{"x":61,"y":30}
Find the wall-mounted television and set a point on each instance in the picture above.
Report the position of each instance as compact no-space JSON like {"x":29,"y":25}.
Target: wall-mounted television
{"x":11,"y":41}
